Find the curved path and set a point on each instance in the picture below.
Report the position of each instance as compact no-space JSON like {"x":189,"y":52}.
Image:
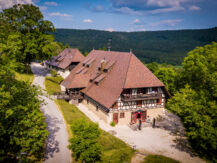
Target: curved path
{"x":57,"y":141}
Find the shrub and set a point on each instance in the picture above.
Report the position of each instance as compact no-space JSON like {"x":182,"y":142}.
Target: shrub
{"x":112,"y":124}
{"x":53,"y":73}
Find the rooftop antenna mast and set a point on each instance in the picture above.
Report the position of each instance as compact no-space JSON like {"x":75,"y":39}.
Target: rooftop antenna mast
{"x":109,"y":44}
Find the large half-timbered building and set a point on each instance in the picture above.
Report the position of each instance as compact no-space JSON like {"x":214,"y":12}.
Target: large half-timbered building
{"x":117,"y":87}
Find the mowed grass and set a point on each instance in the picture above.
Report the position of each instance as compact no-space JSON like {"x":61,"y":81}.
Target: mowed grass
{"x":24,"y":77}
{"x":52,"y":84}
{"x":114,"y":149}
{"x":159,"y":159}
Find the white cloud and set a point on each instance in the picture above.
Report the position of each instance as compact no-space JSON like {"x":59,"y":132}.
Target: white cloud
{"x":51,"y":3}
{"x":127,"y":10}
{"x":109,"y":29}
{"x":166,"y":10}
{"x":141,"y":29}
{"x":9,"y":3}
{"x":136,"y":21}
{"x":194,"y":8}
{"x":42,"y":8}
{"x":165,"y":3}
{"x":87,"y":21}
{"x":143,"y":7}
{"x":59,"y":14}
{"x":170,"y":22}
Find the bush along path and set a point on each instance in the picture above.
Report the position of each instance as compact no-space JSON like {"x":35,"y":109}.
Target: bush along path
{"x":57,"y":141}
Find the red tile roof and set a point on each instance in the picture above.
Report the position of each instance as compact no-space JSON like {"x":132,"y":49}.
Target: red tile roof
{"x":124,"y":70}
{"x":66,"y":57}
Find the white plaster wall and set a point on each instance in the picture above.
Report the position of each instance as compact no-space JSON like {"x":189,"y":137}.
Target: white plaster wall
{"x":62,"y":88}
{"x":64,"y":74}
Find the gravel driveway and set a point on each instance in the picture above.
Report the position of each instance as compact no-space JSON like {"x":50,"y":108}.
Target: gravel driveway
{"x":57,"y":141}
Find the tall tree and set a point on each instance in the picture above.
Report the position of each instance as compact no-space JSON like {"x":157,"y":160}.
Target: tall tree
{"x":25,"y":22}
{"x":196,"y":102}
{"x":84,"y":142}
{"x":200,"y":70}
{"x":22,"y":126}
{"x":153,"y":67}
{"x":169,"y":77}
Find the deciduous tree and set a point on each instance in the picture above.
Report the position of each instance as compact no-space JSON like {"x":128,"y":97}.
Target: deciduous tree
{"x":84,"y":142}
{"x":25,"y":23}
{"x":169,"y":77}
{"x":196,"y":102}
{"x":22,"y":126}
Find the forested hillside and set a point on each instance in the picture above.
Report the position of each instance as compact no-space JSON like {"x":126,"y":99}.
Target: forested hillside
{"x":159,"y":46}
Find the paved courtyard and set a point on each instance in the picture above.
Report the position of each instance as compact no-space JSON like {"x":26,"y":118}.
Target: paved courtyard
{"x":148,"y":140}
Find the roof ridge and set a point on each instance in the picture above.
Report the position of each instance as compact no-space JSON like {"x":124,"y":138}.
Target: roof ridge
{"x":127,"y":70}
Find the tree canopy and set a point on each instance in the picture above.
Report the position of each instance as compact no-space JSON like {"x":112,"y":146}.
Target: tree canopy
{"x":22,"y":126}
{"x":169,"y":77}
{"x":24,"y":33}
{"x":196,"y":102}
{"x":84,"y":142}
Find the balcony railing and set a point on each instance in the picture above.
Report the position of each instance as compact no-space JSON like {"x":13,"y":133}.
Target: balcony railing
{"x":72,"y":95}
{"x":141,"y":96}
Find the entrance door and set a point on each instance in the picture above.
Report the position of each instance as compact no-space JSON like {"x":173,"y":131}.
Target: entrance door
{"x":143,"y":116}
{"x":133,"y":117}
{"x":115,"y":117}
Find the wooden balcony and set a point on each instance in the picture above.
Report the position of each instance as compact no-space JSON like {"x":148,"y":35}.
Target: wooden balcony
{"x":72,"y":95}
{"x":139,"y":97}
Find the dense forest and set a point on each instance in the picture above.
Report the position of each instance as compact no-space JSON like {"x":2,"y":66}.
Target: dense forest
{"x":153,"y":46}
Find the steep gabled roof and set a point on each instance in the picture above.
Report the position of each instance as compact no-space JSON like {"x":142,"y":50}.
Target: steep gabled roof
{"x":139,"y":76}
{"x":123,"y":70}
{"x":66,"y":57}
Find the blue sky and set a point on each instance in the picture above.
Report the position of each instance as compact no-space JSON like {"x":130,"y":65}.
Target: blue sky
{"x":127,"y":15}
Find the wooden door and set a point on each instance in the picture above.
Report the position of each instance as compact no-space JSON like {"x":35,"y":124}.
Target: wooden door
{"x":133,"y":117}
{"x":143,"y":116}
{"x":115,"y":117}
{"x":159,"y":101}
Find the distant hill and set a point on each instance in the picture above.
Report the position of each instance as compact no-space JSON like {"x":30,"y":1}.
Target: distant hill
{"x":159,"y":46}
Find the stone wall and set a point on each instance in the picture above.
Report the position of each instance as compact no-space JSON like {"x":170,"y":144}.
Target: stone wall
{"x":101,"y":114}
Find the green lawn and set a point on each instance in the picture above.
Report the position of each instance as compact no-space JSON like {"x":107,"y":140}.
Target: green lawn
{"x":114,"y":149}
{"x":52,"y":84}
{"x":24,"y":77}
{"x":159,"y":159}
